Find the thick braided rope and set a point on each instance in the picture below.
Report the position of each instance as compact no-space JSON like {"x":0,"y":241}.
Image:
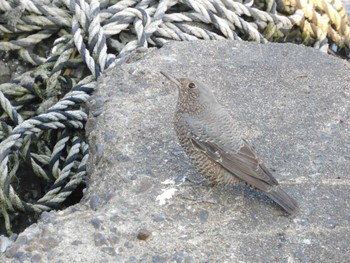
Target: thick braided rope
{"x":42,"y":111}
{"x":80,"y":25}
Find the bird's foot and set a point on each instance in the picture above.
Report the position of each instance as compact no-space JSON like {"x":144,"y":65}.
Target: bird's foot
{"x":197,"y":182}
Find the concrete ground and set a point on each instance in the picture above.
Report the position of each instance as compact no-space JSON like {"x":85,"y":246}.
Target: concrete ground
{"x":144,"y":204}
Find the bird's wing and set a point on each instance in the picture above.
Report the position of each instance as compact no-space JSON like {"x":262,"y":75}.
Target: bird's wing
{"x":218,"y":137}
{"x":243,"y":164}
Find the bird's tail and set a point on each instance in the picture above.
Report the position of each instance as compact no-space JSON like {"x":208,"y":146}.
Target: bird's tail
{"x":283,"y":199}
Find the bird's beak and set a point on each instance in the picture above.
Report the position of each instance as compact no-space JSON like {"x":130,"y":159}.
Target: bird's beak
{"x":171,"y":78}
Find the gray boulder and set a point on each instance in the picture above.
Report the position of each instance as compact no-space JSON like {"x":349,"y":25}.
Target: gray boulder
{"x":144,"y":202}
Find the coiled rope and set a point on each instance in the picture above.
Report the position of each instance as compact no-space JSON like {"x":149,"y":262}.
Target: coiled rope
{"x":42,"y":112}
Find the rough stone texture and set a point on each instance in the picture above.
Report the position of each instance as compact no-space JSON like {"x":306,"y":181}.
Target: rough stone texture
{"x":294,"y":104}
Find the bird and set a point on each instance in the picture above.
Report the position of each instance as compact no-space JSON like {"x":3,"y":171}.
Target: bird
{"x":214,"y":143}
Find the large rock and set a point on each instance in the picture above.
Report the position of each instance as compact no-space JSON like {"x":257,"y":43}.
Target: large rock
{"x":143,"y":203}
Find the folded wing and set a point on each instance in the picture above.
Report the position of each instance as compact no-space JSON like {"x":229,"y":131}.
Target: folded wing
{"x":245,"y":165}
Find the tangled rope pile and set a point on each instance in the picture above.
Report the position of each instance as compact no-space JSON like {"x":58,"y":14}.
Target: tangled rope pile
{"x":42,"y":111}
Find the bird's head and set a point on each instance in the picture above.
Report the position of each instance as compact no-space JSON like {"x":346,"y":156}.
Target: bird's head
{"x":193,"y":95}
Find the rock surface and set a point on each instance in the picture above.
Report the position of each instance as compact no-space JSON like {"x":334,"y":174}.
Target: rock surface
{"x":143,"y":203}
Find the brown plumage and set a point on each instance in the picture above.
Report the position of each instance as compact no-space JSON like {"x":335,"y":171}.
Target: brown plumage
{"x":213,"y":141}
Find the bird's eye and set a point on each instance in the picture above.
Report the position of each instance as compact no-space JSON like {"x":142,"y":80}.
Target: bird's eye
{"x":191,"y":85}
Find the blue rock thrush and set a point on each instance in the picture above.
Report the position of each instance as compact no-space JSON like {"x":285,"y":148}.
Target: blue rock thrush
{"x":213,"y":141}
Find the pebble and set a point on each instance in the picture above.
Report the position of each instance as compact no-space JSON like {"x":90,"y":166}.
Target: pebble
{"x":48,"y":217}
{"x":114,"y":229}
{"x":49,"y":243}
{"x":98,"y":102}
{"x":22,"y":240}
{"x":45,"y":231}
{"x":51,"y":255}
{"x":114,"y":240}
{"x":128,"y":245}
{"x":97,"y":113}
{"x":96,"y":223}
{"x":143,"y":234}
{"x":22,"y":256}
{"x":36,"y":258}
{"x":158,"y":259}
{"x":34,"y":246}
{"x":12,"y":250}
{"x":100,"y":240}
{"x":330,"y":223}
{"x":110,"y":137}
{"x":96,"y":202}
{"x":133,"y":177}
{"x":109,"y":250}
{"x":5,"y":242}
{"x":132,"y":259}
